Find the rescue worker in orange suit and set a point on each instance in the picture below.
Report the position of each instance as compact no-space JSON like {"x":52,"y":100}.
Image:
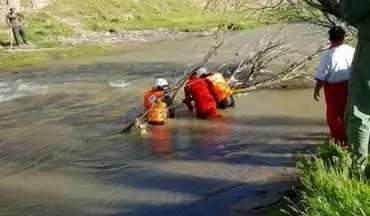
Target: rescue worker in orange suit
{"x":220,"y":89}
{"x":157,"y":105}
{"x":197,"y":89}
{"x":333,"y":74}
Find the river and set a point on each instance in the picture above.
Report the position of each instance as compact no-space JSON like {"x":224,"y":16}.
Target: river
{"x":61,"y":154}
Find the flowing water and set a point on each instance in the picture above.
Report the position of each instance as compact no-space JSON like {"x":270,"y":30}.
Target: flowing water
{"x":60,"y":152}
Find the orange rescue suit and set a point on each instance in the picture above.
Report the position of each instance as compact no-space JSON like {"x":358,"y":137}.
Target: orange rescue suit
{"x":155,"y":106}
{"x":220,"y":89}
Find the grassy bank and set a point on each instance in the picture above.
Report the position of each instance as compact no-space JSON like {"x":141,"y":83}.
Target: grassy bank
{"x":9,"y":60}
{"x":175,"y":15}
{"x":66,"y":18}
{"x":327,"y":185}
{"x":61,"y":19}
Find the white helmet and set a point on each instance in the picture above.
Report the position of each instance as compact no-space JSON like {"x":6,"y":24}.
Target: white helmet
{"x":160,"y":82}
{"x":201,"y":71}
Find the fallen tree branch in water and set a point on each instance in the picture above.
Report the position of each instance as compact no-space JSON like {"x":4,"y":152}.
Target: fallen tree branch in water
{"x":258,"y":56}
{"x":255,"y":61}
{"x":289,"y":72}
{"x":291,"y":69}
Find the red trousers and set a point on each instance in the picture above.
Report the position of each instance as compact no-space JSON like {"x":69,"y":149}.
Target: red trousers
{"x":336,"y":99}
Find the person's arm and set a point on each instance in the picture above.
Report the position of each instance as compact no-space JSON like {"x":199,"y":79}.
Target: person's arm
{"x":321,"y":75}
{"x":167,"y":99}
{"x":20,"y":17}
{"x":8,"y":21}
{"x":319,"y":84}
{"x":188,"y":99}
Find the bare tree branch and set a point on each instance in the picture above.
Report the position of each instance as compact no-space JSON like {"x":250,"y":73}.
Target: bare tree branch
{"x":290,"y":71}
{"x":255,"y":61}
{"x":326,"y":6}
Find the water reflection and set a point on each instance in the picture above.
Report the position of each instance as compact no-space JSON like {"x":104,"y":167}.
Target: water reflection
{"x":161,"y":141}
{"x":200,"y":139}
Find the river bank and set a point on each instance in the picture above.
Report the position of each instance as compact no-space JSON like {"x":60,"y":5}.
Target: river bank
{"x":66,"y":27}
{"x":88,"y":44}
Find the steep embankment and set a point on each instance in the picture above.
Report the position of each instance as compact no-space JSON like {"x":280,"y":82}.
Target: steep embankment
{"x":56,"y":21}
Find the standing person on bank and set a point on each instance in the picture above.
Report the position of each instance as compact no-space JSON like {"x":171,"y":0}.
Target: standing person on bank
{"x":14,"y":21}
{"x":333,"y":74}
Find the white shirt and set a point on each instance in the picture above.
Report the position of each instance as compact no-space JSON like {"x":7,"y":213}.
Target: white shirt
{"x":335,"y":64}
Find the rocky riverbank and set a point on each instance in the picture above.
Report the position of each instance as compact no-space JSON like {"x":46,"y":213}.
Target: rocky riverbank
{"x":119,"y":38}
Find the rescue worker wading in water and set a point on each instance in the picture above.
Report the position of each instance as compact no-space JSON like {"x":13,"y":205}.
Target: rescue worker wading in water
{"x":197,"y":89}
{"x":220,"y":90}
{"x":157,"y":104}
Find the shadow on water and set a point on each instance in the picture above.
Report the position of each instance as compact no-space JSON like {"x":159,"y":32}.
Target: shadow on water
{"x":214,"y":194}
{"x":212,"y":204}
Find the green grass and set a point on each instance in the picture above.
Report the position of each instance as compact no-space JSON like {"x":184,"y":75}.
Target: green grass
{"x":328,"y":188}
{"x":8,"y":60}
{"x":42,"y":26}
{"x":175,"y":15}
{"x":60,"y":18}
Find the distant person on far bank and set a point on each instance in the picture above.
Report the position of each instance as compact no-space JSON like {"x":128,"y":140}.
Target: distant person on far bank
{"x":333,"y":74}
{"x":14,"y":20}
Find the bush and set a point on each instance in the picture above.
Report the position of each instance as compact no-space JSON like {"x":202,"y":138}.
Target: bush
{"x":327,"y":185}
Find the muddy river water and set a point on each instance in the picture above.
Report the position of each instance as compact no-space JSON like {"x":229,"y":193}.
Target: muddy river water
{"x":60,"y":152}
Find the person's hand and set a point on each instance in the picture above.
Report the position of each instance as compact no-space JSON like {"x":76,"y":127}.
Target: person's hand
{"x":187,"y":103}
{"x":316,"y":95}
